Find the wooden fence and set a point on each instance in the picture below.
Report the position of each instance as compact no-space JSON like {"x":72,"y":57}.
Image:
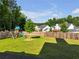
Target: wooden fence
{"x":6,"y":34}
{"x":67,"y":35}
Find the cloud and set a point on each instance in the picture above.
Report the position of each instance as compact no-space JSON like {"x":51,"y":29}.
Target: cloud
{"x":44,"y":15}
{"x":76,"y":11}
{"x":33,"y":14}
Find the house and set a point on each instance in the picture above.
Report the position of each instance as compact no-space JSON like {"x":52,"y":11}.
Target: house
{"x":73,"y":28}
{"x":76,"y":29}
{"x":37,"y":28}
{"x":46,"y":29}
{"x":43,"y":28}
{"x":56,"y":28}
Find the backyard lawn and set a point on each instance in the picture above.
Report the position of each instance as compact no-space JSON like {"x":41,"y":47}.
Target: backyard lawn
{"x":21,"y":45}
{"x":42,"y":48}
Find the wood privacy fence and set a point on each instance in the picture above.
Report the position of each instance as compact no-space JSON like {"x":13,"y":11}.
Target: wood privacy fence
{"x":66,"y":35}
{"x":38,"y":33}
{"x":6,"y":34}
{"x":35,"y":34}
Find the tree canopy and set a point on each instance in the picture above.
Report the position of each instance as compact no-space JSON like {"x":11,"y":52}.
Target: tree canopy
{"x":29,"y":26}
{"x":10,"y":15}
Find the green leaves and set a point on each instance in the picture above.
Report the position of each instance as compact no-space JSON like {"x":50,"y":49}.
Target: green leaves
{"x":52,"y":22}
{"x":64,"y":27}
{"x":10,"y":14}
{"x":29,"y":26}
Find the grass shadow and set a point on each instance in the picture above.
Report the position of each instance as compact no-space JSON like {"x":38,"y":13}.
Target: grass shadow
{"x":17,"y":55}
{"x":61,"y":50}
{"x":36,"y":37}
{"x":61,"y":41}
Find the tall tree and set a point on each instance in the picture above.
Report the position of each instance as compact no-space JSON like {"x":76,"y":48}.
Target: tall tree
{"x":9,"y":14}
{"x":21,"y":21}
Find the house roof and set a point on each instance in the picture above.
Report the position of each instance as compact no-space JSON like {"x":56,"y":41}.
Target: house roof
{"x":71,"y":26}
{"x":42,"y":26}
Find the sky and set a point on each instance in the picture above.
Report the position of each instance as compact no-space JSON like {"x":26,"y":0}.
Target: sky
{"x":42,"y":10}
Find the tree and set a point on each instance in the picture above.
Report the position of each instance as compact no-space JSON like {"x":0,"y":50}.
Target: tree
{"x":76,"y":21}
{"x":61,"y":20}
{"x":64,"y":27}
{"x":69,"y":19}
{"x":29,"y":26}
{"x":51,"y":22}
{"x":4,"y":14}
{"x":21,"y":21}
{"x":9,"y":14}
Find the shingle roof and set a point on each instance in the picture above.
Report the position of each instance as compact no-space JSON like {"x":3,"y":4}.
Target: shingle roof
{"x":42,"y":26}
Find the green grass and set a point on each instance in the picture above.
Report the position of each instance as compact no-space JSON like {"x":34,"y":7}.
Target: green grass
{"x":20,"y":45}
{"x":43,"y":48}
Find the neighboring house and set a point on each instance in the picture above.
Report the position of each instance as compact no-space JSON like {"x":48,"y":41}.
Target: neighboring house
{"x":43,"y":28}
{"x":37,"y":28}
{"x":76,"y":29}
{"x":73,"y":28}
{"x":46,"y":29}
{"x":56,"y":28}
